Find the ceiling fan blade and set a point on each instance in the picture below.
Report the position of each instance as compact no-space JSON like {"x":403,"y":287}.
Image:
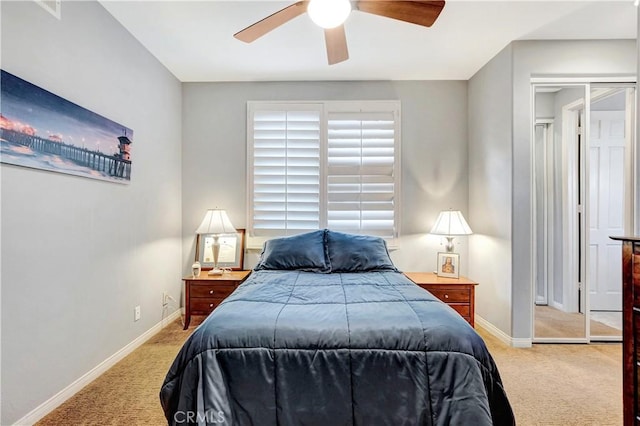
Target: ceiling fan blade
{"x":336,"y":41}
{"x":417,"y":12}
{"x":271,"y":22}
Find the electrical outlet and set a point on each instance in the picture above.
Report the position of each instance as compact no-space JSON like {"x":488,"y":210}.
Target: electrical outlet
{"x":165,"y":298}
{"x":136,"y":313}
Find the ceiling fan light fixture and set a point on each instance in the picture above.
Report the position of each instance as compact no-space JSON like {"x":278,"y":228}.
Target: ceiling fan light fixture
{"x":329,"y":13}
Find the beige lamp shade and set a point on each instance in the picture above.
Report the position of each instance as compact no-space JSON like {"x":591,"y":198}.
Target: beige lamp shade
{"x":216,"y":222}
{"x":451,"y":222}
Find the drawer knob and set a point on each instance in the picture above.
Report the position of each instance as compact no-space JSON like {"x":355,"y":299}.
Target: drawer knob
{"x":210,"y":291}
{"x":446,"y":296}
{"x":211,"y":305}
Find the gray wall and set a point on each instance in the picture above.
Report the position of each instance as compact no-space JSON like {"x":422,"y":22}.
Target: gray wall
{"x":490,"y":190}
{"x":434,"y":161}
{"x":544,"y":104}
{"x":79,"y":254}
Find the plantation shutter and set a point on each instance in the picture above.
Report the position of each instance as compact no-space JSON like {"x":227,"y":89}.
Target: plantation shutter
{"x":285,"y":161}
{"x":362,"y":177}
{"x":314,"y":165}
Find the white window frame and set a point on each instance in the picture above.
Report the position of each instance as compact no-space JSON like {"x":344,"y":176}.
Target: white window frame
{"x":394,"y":106}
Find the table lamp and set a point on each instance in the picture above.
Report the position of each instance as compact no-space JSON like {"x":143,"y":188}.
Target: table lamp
{"x":450,"y":223}
{"x":216,"y":222}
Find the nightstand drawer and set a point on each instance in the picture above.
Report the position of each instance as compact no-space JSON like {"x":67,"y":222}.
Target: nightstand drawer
{"x":204,"y":306}
{"x":451,"y":295}
{"x":463,"y":310}
{"x":217,"y":290}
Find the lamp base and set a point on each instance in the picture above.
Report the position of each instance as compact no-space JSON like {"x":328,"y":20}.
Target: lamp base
{"x":449,"y":245}
{"x":215,"y":247}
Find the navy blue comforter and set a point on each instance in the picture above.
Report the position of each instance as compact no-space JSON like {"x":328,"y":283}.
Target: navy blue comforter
{"x":301,"y":348}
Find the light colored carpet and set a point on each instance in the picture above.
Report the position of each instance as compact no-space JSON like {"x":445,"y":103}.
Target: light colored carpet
{"x":562,"y":385}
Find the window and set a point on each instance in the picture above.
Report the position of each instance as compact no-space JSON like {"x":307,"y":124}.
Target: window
{"x":323,"y":164}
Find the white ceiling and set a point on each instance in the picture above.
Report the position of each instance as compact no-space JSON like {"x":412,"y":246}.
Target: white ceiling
{"x":194,"y":39}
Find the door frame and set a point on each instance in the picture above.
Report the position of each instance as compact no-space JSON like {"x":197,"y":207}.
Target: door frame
{"x":574,"y":278}
{"x":571,"y":244}
{"x":547,"y":207}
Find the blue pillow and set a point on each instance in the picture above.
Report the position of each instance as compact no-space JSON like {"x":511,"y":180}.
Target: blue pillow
{"x":305,"y":252}
{"x":357,"y":253}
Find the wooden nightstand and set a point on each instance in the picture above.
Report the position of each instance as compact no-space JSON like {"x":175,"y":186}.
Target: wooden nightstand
{"x":459,"y":293}
{"x":202,"y":294}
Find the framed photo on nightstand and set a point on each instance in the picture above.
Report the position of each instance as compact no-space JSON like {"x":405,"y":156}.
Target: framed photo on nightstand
{"x":448,"y":265}
{"x":231,"y":251}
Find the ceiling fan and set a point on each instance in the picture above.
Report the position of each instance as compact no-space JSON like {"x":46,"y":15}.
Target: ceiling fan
{"x":332,"y":20}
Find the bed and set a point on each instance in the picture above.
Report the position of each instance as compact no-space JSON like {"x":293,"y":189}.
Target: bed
{"x":326,"y":331}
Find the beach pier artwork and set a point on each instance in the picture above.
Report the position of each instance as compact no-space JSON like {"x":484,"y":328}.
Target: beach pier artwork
{"x":41,"y":130}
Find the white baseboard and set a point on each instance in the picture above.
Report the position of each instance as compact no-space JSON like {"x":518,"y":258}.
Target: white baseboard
{"x":556,"y":305}
{"x":516,"y":342}
{"x":58,"y":399}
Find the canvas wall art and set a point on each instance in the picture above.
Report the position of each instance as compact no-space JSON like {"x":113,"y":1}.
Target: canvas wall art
{"x":41,"y":130}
